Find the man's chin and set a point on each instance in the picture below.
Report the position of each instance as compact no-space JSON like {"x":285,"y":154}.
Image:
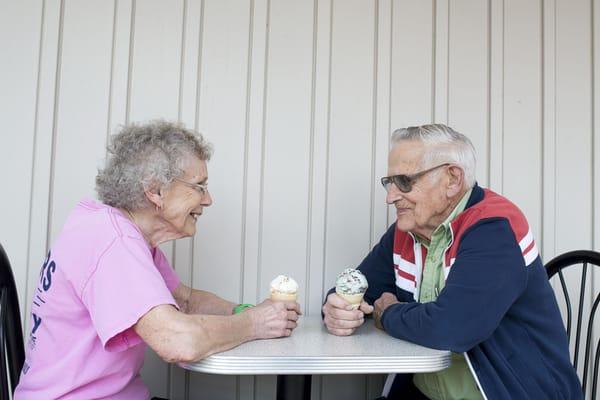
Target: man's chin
{"x":404,"y":226}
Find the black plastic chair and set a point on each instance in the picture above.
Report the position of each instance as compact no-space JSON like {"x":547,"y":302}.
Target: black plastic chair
{"x":584,"y":260}
{"x":12,"y":351}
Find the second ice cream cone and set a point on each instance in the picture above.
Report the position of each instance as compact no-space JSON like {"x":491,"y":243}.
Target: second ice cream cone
{"x":351,"y":286}
{"x":353,"y":299}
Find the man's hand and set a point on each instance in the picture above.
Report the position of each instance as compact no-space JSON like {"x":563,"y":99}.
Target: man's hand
{"x":386,"y":300}
{"x":340,"y":318}
{"x":274,"y":318}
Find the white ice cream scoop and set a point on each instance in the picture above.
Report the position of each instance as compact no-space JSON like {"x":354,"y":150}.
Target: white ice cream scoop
{"x":284,"y":288}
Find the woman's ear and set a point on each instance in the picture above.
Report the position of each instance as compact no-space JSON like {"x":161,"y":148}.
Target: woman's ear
{"x":155,"y":198}
{"x":456,"y":178}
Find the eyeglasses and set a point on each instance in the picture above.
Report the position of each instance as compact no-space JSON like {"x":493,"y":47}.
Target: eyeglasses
{"x":405,"y":182}
{"x":202,"y":188}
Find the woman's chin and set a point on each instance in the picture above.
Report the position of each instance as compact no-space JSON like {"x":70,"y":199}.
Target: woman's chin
{"x":189,"y":229}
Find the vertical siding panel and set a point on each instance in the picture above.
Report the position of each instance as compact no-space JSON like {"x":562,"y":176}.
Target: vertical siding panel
{"x":496,"y":102}
{"x":321,"y":112}
{"x":596,"y":123}
{"x":82,"y":105}
{"x":155,"y":64}
{"x":254,"y":141}
{"x":156,"y":60}
{"x":383,"y":114}
{"x":414,"y":65}
{"x":255,"y":99}
{"x":221,"y":118}
{"x":549,"y":131}
{"x":191,"y":53}
{"x":350,"y":141}
{"x":155,"y":69}
{"x":468,"y":77}
{"x":321,"y":59}
{"x":18,"y":108}
{"x":595,"y":18}
{"x":522,"y":109}
{"x":286,"y":149}
{"x":188,"y":100}
{"x":119,"y":78}
{"x":573,"y":130}
{"x":350,"y":154}
{"x":287,"y":144}
{"x":382,"y":109}
{"x":441,"y":42}
{"x":42,"y":152}
{"x":573,"y":125}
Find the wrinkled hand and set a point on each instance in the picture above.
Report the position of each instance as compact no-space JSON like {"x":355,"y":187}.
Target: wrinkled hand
{"x":386,"y":300}
{"x":340,"y":318}
{"x":273,"y":319}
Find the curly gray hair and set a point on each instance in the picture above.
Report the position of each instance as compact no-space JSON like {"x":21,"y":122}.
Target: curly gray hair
{"x":146,"y":157}
{"x":444,"y":144}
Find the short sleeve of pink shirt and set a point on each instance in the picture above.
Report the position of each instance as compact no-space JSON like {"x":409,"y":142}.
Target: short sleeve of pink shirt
{"x":129,"y":280}
{"x":170,"y":277}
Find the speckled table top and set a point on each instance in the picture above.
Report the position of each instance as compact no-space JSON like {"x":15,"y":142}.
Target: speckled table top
{"x":312,"y":350}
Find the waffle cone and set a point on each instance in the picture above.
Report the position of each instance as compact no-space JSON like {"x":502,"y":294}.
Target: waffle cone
{"x":281,"y":296}
{"x":353,"y":299}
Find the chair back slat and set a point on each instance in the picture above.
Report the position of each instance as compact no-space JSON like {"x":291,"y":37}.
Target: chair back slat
{"x":589,"y":341}
{"x":565,"y":292}
{"x":10,"y":325}
{"x":4,"y":385}
{"x":580,"y":261}
{"x":595,"y":371}
{"x":580,"y":313}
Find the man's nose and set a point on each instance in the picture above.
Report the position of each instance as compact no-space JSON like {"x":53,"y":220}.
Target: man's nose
{"x":393,"y":194}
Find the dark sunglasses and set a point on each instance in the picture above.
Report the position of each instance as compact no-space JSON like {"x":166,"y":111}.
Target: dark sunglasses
{"x":404,"y":182}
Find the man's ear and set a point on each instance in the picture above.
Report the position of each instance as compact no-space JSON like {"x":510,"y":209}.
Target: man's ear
{"x":456,"y":178}
{"x":154,"y":196}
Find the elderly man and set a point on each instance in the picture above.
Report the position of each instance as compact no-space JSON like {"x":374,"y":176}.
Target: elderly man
{"x":460,"y":271}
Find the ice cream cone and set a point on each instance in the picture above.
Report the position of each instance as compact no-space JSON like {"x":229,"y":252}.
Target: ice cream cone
{"x":281,"y":296}
{"x":284,"y":288}
{"x":353,"y":299}
{"x":351,"y":286}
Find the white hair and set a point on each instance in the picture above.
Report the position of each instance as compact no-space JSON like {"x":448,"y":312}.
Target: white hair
{"x":443,"y":144}
{"x":145,"y":156}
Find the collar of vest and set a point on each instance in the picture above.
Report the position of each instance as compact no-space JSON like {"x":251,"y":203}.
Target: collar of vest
{"x":477,"y":195}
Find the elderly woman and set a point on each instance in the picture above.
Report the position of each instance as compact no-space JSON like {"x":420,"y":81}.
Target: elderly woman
{"x":106,"y":290}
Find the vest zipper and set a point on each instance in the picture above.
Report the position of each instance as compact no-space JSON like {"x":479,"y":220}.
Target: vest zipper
{"x":474,"y":375}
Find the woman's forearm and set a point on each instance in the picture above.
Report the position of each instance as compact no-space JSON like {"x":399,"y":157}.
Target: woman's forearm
{"x":178,"y":337}
{"x":202,"y":302}
{"x":194,"y":301}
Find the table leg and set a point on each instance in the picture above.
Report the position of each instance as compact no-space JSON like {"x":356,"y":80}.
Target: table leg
{"x":293,"y":387}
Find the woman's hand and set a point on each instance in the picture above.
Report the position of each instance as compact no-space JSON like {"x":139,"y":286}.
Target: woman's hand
{"x":273,"y":319}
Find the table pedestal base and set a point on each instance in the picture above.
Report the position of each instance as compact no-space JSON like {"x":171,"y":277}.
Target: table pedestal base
{"x":293,"y":387}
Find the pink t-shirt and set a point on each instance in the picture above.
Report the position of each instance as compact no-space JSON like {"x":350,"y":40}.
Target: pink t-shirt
{"x":99,"y":278}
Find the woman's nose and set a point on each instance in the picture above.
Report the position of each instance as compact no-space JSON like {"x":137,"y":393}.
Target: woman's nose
{"x":207,"y":199}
